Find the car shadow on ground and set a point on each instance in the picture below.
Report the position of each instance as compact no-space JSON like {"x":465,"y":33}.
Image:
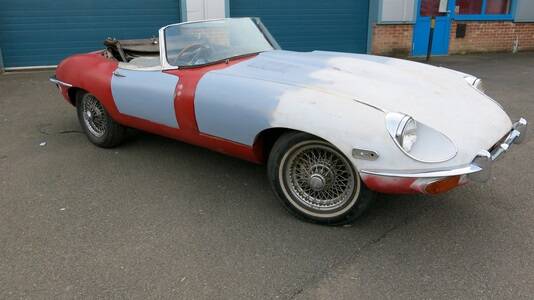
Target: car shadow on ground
{"x":204,"y":161}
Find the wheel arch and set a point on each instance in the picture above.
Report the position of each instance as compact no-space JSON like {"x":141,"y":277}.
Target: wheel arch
{"x":91,"y":73}
{"x":73,"y":93}
{"x":265,"y":140}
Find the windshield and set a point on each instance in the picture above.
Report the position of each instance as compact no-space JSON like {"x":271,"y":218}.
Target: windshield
{"x":200,"y":43}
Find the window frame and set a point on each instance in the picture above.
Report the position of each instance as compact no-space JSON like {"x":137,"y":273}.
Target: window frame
{"x":483,"y":16}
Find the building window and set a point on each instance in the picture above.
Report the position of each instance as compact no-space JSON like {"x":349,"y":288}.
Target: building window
{"x":430,"y":8}
{"x":498,"y":7}
{"x":468,"y":7}
{"x":483,"y":9}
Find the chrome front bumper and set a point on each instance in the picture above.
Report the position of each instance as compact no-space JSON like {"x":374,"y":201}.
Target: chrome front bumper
{"x":484,"y":160}
{"x":480,"y":168}
{"x":58,"y":82}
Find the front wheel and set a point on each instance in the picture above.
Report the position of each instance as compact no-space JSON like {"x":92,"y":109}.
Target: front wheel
{"x":100,"y":129}
{"x":315,"y":181}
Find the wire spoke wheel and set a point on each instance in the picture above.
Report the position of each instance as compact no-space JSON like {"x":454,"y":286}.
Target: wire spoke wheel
{"x":97,"y":123}
{"x":94,"y":116}
{"x":319,"y":178}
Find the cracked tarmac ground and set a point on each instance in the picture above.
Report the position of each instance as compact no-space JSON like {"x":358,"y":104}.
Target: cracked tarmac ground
{"x":157,"y":218}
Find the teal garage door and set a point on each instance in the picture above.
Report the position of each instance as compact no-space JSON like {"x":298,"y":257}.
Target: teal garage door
{"x":305,"y":25}
{"x":43,"y":32}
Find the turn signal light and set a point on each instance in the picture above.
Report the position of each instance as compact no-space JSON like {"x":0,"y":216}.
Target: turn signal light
{"x":443,"y":185}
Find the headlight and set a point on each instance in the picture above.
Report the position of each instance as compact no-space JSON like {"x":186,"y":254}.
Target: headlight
{"x":403,"y":129}
{"x":418,"y":140}
{"x":407,"y":133}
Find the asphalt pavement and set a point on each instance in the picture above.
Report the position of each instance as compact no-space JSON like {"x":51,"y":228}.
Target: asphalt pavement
{"x":158,"y":218}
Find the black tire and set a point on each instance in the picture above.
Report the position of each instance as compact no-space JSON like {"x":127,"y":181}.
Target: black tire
{"x":105,"y":133}
{"x":316,"y":178}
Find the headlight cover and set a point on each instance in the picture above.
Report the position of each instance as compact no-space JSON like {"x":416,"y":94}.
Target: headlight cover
{"x":419,"y":141}
{"x":476,"y":83}
{"x":479,"y":85}
{"x":406,"y":133}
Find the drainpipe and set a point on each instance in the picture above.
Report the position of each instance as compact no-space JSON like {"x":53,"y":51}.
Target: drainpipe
{"x":183,"y":10}
{"x":515,"y":47}
{"x":227,"y":8}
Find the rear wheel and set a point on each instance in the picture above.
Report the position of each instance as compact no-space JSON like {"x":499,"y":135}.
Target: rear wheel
{"x":315,"y":181}
{"x":100,"y":129}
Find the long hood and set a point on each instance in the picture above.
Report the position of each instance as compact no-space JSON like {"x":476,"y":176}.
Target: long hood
{"x":438,"y":97}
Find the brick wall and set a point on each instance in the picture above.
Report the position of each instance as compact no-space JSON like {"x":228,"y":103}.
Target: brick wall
{"x":392,"y":40}
{"x":489,"y":36}
{"x":492,"y":37}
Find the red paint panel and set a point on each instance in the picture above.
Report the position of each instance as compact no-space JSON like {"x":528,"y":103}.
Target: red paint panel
{"x":91,"y":72}
{"x":404,"y":185}
{"x":389,"y":185}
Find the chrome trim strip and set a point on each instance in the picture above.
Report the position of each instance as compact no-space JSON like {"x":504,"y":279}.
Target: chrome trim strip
{"x":162,"y":52}
{"x":201,"y":21}
{"x":54,"y":80}
{"x":196,"y":21}
{"x":472,"y":168}
{"x":370,"y":105}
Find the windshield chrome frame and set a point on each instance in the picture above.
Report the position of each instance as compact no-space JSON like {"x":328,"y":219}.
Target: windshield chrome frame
{"x":165,"y":65}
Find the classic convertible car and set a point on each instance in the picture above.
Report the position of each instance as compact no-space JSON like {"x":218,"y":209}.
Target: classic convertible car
{"x":333,"y":128}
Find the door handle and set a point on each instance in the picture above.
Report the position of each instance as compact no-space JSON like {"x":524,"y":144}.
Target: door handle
{"x":118,"y":74}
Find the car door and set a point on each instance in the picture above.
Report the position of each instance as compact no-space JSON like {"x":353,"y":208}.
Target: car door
{"x":145,"y":94}
{"x":428,"y":9}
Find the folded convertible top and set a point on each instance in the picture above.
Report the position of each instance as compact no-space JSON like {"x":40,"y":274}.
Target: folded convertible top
{"x":139,"y":45}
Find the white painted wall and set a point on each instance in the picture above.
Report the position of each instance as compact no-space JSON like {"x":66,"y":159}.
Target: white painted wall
{"x":205,"y":9}
{"x":525,"y":11}
{"x":397,"y":11}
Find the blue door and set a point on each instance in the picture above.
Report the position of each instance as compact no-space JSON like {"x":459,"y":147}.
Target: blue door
{"x":304,"y":25}
{"x":440,"y":43}
{"x":43,"y":32}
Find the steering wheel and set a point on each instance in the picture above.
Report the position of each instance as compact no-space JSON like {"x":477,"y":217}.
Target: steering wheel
{"x":199,"y":48}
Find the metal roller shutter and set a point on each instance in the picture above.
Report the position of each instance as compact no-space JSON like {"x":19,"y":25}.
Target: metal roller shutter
{"x":304,"y":25}
{"x":42,"y":32}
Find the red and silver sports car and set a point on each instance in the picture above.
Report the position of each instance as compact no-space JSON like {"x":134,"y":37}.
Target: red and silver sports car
{"x":333,"y":128}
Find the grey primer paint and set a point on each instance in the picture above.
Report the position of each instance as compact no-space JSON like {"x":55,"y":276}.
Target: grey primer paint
{"x":524,"y":11}
{"x":147,"y":95}
{"x":233,"y":107}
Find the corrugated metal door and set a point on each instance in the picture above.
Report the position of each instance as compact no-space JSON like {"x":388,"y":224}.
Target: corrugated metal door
{"x":42,"y":32}
{"x":304,"y":25}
